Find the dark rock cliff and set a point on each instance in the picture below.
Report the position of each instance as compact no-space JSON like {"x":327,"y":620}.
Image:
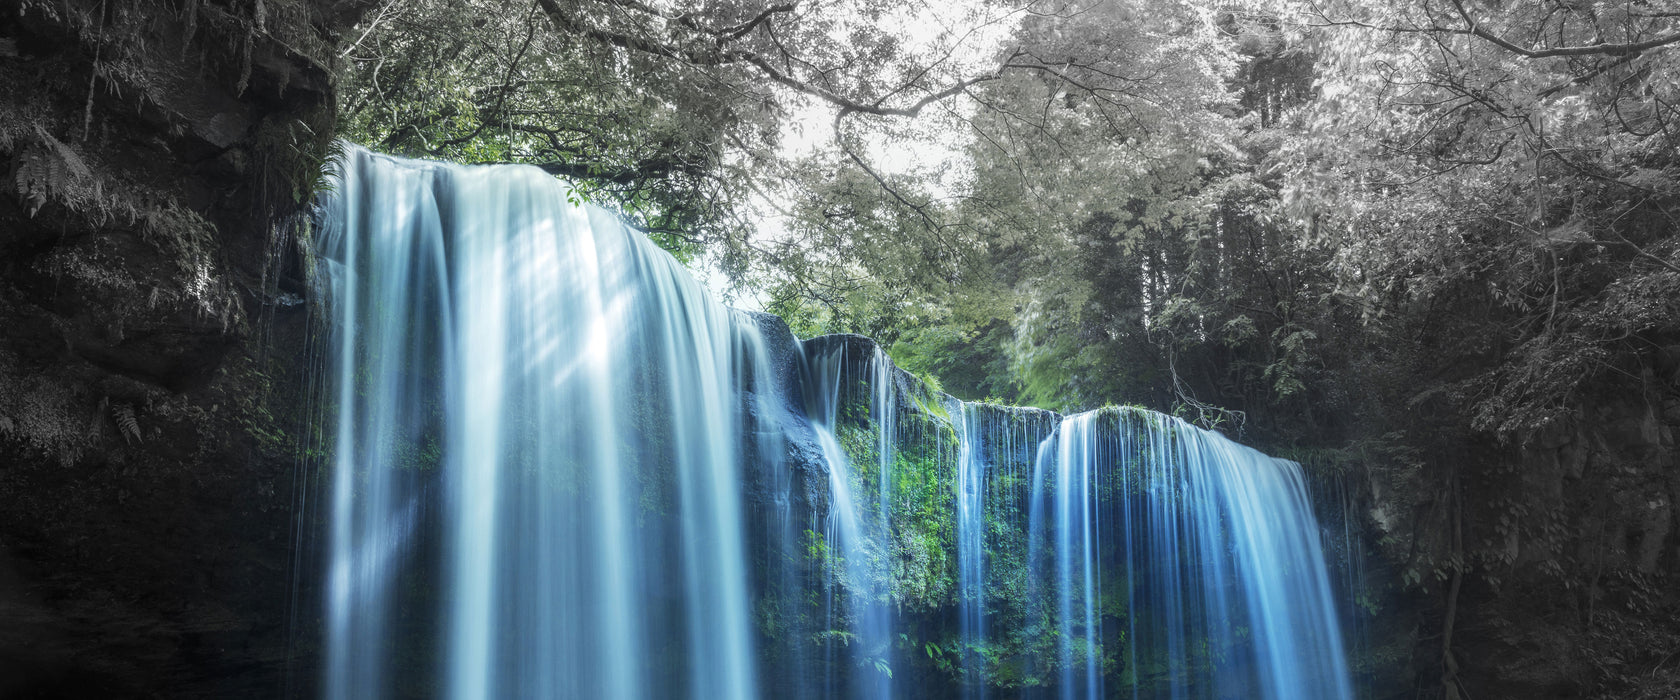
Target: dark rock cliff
{"x":148,"y":313}
{"x":1546,"y":565}
{"x":1576,"y":530}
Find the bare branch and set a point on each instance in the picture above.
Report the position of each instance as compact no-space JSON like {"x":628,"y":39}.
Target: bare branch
{"x":1602,"y":48}
{"x":1474,"y":28}
{"x":746,"y":27}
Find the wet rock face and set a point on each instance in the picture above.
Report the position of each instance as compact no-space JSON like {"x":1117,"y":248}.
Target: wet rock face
{"x":152,"y":339}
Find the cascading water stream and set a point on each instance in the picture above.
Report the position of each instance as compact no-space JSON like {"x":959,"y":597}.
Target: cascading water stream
{"x":870,"y":617}
{"x":971,"y":534}
{"x":553,"y":450}
{"x":1211,"y":545}
{"x":883,"y":415}
{"x":573,"y":393}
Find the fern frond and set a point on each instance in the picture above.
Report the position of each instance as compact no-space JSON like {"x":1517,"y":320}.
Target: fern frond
{"x":73,"y":164}
{"x":127,"y":423}
{"x":51,"y":169}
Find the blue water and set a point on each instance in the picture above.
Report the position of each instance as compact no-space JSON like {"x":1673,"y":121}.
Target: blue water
{"x":561,"y":469}
{"x":1198,"y":556}
{"x":573,"y":392}
{"x":856,"y":553}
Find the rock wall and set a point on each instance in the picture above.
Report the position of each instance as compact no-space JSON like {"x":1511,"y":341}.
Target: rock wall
{"x":153,"y":338}
{"x":1545,"y":566}
{"x":1580,"y":596}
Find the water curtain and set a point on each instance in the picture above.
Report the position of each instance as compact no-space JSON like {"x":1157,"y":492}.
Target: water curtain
{"x":560,"y":469}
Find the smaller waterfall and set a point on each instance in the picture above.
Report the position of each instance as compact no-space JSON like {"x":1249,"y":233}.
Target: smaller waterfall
{"x":1211,"y":546}
{"x":1076,"y":475}
{"x":871,"y":645}
{"x":991,"y":496}
{"x":971,"y":538}
{"x":883,"y":417}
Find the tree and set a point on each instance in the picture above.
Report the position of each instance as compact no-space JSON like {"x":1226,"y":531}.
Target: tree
{"x":1519,"y":154}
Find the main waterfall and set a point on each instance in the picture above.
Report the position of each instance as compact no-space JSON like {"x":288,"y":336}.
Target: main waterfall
{"x":572,"y":392}
{"x":560,"y":469}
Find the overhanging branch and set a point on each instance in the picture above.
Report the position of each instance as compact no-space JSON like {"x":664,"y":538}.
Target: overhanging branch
{"x":1472,"y":27}
{"x":715,"y":52}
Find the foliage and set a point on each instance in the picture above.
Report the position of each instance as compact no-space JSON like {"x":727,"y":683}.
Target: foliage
{"x":1448,"y":164}
{"x":493,"y":81}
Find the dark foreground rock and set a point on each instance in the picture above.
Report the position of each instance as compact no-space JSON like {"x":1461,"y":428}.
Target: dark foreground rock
{"x":151,"y":339}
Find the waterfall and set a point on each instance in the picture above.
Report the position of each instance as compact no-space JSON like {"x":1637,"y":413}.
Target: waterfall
{"x":871,"y":642}
{"x":1078,"y":479}
{"x":560,"y":469}
{"x":573,"y":394}
{"x":1213,"y":548}
{"x":883,"y":414}
{"x":971,"y":534}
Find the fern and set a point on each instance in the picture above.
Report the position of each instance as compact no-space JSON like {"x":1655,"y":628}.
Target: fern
{"x":52,"y":170}
{"x":127,"y":423}
{"x":30,"y":171}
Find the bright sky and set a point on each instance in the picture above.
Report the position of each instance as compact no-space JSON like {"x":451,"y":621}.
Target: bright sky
{"x":955,"y":28}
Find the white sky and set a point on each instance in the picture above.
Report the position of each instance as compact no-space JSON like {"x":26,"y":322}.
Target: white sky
{"x":925,"y":28}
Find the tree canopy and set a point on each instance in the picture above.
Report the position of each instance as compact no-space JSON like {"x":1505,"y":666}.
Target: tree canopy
{"x":1076,"y":203}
